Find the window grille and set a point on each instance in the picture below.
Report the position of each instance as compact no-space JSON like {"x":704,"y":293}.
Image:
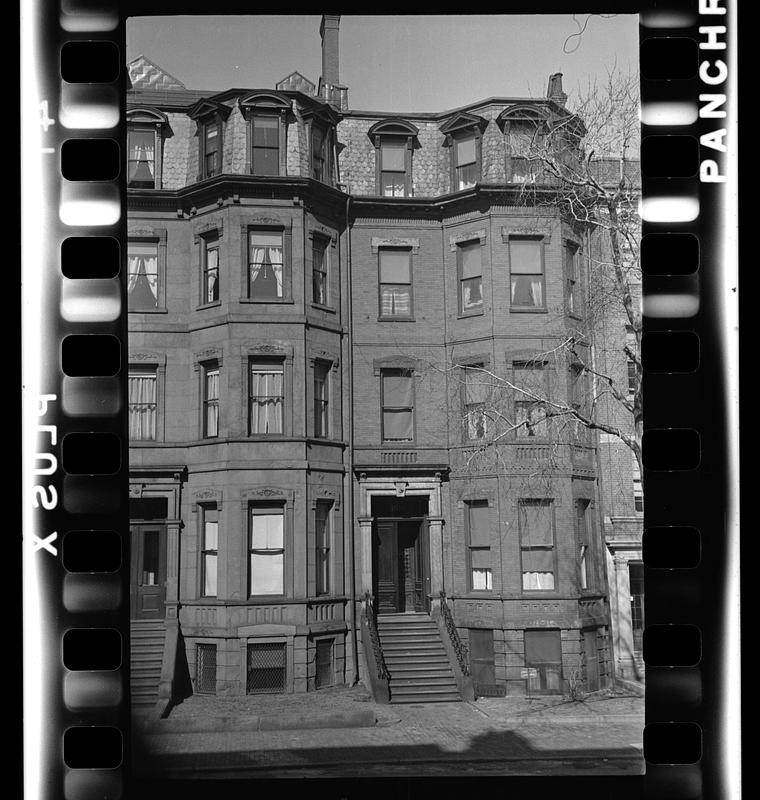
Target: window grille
{"x":267,"y":664}
{"x":324,"y":664}
{"x":205,"y":675}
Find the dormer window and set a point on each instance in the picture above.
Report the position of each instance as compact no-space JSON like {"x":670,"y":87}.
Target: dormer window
{"x":464,"y":133}
{"x":210,"y":117}
{"x":265,"y":153}
{"x":267,"y":116}
{"x":525,"y":133}
{"x":394,"y":144}
{"x":319,"y":155}
{"x":145,"y":129}
{"x":212,"y":151}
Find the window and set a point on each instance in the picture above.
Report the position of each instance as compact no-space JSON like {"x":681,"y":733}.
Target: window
{"x":393,"y":168}
{"x":265,"y":147}
{"x":210,"y":256}
{"x":141,"y":158}
{"x":479,"y":542}
{"x":584,"y":539}
{"x":530,"y":417}
{"x":267,"y":550}
{"x":543,"y":660}
{"x":205,"y":669}
{"x":395,"y":283}
{"x":638,"y":489}
{"x":324,"y":663}
{"x":632,"y":373}
{"x":525,"y":130}
{"x":579,"y":401}
{"x":319,"y":272}
{"x":142,"y":282}
{"x":480,"y":645}
{"x":466,"y":162}
{"x":319,"y":158}
{"x":536,"y":522}
{"x":475,"y":392}
{"x":142,"y":404}
{"x":321,"y":399}
{"x":636,"y":584}
{"x":266,"y":397}
{"x":265,"y":265}
{"x":571,"y":275}
{"x":211,"y":148}
{"x":210,"y":401}
{"x":322,"y":546}
{"x":209,"y":549}
{"x":526,"y":266}
{"x":530,"y":411}
{"x":397,"y":398}
{"x":470,"y":277}
{"x":266,"y":668}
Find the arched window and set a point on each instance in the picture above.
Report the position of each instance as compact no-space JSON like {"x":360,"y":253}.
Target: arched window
{"x":267,"y":116}
{"x":525,"y":131}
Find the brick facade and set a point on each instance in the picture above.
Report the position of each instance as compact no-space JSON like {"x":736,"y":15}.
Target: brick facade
{"x":352,"y":467}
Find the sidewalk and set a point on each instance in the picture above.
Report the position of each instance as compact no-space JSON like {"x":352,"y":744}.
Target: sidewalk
{"x":331,"y":732}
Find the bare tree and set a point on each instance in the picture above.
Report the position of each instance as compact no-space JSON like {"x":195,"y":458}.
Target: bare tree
{"x":583,"y":161}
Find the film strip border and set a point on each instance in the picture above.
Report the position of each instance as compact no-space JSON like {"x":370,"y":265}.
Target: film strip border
{"x":75,"y":561}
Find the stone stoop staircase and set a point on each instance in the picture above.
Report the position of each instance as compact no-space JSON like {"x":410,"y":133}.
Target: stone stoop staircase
{"x":419,"y":667}
{"x":145,"y":660}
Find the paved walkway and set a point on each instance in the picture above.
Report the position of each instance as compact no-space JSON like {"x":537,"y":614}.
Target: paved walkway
{"x":491,"y":736}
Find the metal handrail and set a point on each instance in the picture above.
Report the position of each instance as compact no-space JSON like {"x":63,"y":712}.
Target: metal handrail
{"x":460,"y":648}
{"x":369,"y":615}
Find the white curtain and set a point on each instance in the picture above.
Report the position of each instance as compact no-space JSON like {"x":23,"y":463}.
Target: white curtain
{"x":146,"y":265}
{"x":142,"y":407}
{"x":395,"y":301}
{"x":266,"y":401}
{"x":141,"y":151}
{"x":257,"y":262}
{"x":527,"y":291}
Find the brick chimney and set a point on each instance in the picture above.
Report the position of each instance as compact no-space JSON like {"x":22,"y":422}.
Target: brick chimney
{"x":330,"y":87}
{"x":554,"y":89}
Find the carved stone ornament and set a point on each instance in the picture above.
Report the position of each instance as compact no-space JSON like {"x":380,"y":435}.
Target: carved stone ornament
{"x":207,"y":494}
{"x":376,"y":243}
{"x":401,"y":487}
{"x":136,"y":490}
{"x":264,"y":221}
{"x":468,"y":236}
{"x":528,"y":228}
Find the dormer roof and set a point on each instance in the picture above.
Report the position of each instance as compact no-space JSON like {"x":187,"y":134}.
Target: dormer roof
{"x":463,"y":121}
{"x":393,"y":126}
{"x":206,"y":106}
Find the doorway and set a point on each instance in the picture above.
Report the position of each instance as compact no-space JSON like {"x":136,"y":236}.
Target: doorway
{"x":147,"y":590}
{"x":401,"y":574}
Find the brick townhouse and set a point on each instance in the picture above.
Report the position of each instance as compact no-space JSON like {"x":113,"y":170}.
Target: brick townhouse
{"x":323,"y":305}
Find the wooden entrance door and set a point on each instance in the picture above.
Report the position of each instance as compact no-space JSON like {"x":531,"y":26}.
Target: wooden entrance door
{"x":147,"y":590}
{"x":401,"y":579}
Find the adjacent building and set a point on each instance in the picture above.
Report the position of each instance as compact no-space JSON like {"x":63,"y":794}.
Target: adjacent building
{"x":329,"y":312}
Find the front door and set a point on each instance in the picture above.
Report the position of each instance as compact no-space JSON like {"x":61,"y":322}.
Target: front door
{"x":400,"y":565}
{"x":147,"y":588}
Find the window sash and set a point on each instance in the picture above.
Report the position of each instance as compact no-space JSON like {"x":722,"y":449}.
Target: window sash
{"x":318,"y":153}
{"x":211,"y":403}
{"x":210,"y":271}
{"x":321,"y":400}
{"x":266,"y":398}
{"x":478,"y":523}
{"x":322,"y":547}
{"x":142,"y":404}
{"x":266,"y":556}
{"x":142,"y":280}
{"x":265,"y":265}
{"x":265,"y":145}
{"x":319,"y":273}
{"x":526,"y":273}
{"x":531,"y":416}
{"x":211,"y":151}
{"x":141,"y":158}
